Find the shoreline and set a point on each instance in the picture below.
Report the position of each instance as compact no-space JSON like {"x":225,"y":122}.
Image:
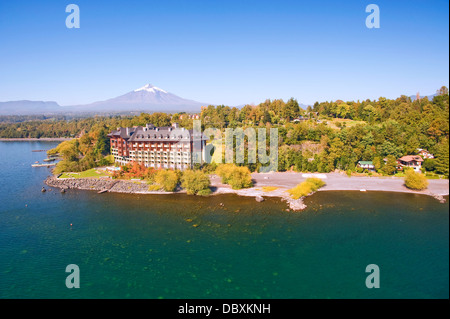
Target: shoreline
{"x":28,"y":139}
{"x":282,"y":181}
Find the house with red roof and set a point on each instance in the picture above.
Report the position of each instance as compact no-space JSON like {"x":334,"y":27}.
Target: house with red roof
{"x":412,"y":161}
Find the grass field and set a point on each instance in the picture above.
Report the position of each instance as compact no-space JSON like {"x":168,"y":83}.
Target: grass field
{"x":428,"y":175}
{"x":348,"y":123}
{"x":89,"y":173}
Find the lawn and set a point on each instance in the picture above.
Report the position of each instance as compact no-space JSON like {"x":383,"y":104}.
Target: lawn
{"x":428,"y":175}
{"x":346,"y":122}
{"x":89,"y":173}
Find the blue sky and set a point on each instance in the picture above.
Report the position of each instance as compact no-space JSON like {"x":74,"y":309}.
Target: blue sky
{"x":223,"y":52}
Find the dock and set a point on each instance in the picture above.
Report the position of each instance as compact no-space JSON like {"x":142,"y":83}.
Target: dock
{"x":43,"y":165}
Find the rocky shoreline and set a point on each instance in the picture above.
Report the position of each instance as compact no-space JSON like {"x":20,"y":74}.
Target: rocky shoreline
{"x":102,"y":185}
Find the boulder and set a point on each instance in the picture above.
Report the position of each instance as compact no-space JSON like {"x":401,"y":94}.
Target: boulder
{"x":259,"y":199}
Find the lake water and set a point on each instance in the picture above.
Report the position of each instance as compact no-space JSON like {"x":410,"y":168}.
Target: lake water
{"x":136,"y":246}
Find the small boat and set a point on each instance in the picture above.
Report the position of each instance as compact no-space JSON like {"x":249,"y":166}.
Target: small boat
{"x":49,"y":159}
{"x":102,"y":191}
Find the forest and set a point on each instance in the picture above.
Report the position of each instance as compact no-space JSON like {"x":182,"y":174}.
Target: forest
{"x":324,"y":137}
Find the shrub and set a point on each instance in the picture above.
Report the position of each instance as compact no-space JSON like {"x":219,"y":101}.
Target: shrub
{"x":236,"y":176}
{"x":302,"y":189}
{"x":195,"y":182}
{"x":415,"y":180}
{"x":150,"y":175}
{"x":135,"y":170}
{"x":153,"y":188}
{"x":209,"y":168}
{"x":240,"y":178}
{"x":316,"y":182}
{"x":65,"y":166}
{"x":305,"y":188}
{"x":167,"y":179}
{"x":225,"y":171}
{"x":204,"y":192}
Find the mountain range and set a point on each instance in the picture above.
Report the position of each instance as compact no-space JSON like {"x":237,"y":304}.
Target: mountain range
{"x":25,"y":107}
{"x":148,"y":98}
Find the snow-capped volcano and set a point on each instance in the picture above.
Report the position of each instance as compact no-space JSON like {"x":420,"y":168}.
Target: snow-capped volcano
{"x":148,"y":98}
{"x":150,"y":88}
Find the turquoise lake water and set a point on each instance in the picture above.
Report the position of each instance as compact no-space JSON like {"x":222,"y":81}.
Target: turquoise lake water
{"x":136,"y":246}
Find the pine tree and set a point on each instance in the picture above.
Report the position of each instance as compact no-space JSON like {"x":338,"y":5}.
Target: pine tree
{"x":442,"y":158}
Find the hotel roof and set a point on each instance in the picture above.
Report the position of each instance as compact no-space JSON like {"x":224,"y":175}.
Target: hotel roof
{"x":150,"y":133}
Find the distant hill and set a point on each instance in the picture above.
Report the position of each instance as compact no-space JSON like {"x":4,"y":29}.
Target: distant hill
{"x":26,"y":107}
{"x":148,"y":99}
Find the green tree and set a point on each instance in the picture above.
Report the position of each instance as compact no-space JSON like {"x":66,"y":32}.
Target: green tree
{"x":429,"y":164}
{"x":167,"y":179}
{"x":102,"y":145}
{"x":291,"y":109}
{"x":378,"y":163}
{"x":195,"y":182}
{"x":225,"y":171}
{"x":241,"y":178}
{"x":391,"y":165}
{"x":236,"y":176}
{"x":442,"y":158}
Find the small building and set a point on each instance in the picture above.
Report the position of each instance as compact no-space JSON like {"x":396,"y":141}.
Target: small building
{"x":299,"y":119}
{"x":189,"y":116}
{"x":424,"y":153}
{"x":412,"y":161}
{"x":368,"y":165}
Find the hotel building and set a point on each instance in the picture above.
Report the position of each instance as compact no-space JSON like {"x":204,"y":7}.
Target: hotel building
{"x":159,"y":147}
